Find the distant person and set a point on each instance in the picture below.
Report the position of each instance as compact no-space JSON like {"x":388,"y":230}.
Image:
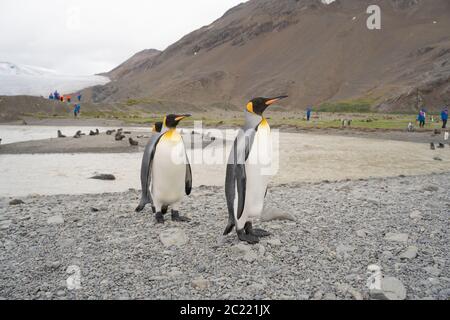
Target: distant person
{"x":444,"y":117}
{"x":62,"y":99}
{"x":69,"y":98}
{"x":78,"y":109}
{"x":308,"y":113}
{"x":75,"y":111}
{"x":51,"y":97}
{"x":56,"y":95}
{"x":422,"y":118}
{"x":79,"y":97}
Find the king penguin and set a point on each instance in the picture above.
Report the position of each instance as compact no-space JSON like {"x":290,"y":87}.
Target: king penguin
{"x":157,"y":127}
{"x":246,"y":184}
{"x":166,"y":174}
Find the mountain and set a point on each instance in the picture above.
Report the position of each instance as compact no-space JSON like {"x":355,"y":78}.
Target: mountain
{"x":318,"y":53}
{"x":36,"y":81}
{"x":140,"y":61}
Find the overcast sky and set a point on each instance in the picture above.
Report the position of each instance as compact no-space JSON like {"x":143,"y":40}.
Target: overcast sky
{"x":92,"y":36}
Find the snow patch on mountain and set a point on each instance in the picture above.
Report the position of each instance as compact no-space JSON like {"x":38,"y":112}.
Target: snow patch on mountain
{"x":37,"y":81}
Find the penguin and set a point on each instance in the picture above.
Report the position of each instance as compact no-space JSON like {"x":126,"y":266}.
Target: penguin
{"x":432,"y":146}
{"x":60,"y":135}
{"x":78,"y":135}
{"x":97,"y":132}
{"x":92,"y":133}
{"x":441,"y":146}
{"x":157,"y":127}
{"x":119,"y":136}
{"x":166,"y":174}
{"x":133,"y":142}
{"x":245,"y":184}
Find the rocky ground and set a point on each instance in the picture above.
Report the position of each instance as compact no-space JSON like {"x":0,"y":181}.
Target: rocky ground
{"x":339,"y":230}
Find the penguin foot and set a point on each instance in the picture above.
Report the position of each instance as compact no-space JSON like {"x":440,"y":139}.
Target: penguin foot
{"x":177,"y":218}
{"x":260,"y":233}
{"x":140,"y":208}
{"x":159,"y":217}
{"x":249,"y":238}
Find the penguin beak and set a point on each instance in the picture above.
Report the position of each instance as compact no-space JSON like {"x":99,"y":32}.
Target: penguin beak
{"x":179,"y":118}
{"x":273,"y":100}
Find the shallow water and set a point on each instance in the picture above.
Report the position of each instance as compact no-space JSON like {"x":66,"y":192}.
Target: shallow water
{"x":303,"y":158}
{"x":21,"y":175}
{"x":12,"y":134}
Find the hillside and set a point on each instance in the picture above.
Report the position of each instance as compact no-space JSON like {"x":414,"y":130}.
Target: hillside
{"x":140,"y":61}
{"x":314,"y":52}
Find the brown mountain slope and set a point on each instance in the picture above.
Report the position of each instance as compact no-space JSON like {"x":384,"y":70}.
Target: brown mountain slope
{"x":140,"y":61}
{"x":314,"y":52}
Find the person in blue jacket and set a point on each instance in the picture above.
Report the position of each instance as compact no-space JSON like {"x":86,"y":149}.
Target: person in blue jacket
{"x":444,"y":117}
{"x":421,"y":118}
{"x":308,"y":113}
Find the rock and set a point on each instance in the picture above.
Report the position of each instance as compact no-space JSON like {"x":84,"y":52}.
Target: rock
{"x":391,"y":289}
{"x":318,"y":295}
{"x":329,"y":296}
{"x":356,"y":294}
{"x":361,"y":233}
{"x":397,"y":237}
{"x":343,"y":251}
{"x":173,"y":237}
{"x":384,"y":288}
{"x":431,"y":188}
{"x":200,"y":284}
{"x":274,"y":242}
{"x":416,"y":215}
{"x":106,"y":177}
{"x":270,"y":214}
{"x":244,"y":251}
{"x":5,"y":224}
{"x":434,"y":271}
{"x":410,"y":253}
{"x":55,"y":220}
{"x":294,"y":249}
{"x":16,"y":202}
{"x":61,"y":293}
{"x":387,"y":255}
{"x":54,"y":265}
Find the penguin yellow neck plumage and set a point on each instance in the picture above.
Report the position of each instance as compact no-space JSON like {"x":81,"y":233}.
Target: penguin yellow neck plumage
{"x":172,"y":135}
{"x":264,"y":123}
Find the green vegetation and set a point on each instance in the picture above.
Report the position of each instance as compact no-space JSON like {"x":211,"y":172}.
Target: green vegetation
{"x":359,"y":106}
{"x":320,"y":120}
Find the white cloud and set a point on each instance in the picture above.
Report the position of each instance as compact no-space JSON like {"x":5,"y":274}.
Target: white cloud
{"x":86,"y":37}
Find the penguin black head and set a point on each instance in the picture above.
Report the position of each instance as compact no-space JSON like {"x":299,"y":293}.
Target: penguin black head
{"x":259,"y":105}
{"x":172,"y":120}
{"x":157,"y":127}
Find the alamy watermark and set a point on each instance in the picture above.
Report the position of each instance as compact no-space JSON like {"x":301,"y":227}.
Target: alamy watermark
{"x":221,"y":147}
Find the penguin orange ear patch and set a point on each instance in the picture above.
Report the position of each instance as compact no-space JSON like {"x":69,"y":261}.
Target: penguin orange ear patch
{"x":250,"y":107}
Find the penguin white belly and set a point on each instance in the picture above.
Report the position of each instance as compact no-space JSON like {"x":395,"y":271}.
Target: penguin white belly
{"x":169,"y":172}
{"x":257,"y":170}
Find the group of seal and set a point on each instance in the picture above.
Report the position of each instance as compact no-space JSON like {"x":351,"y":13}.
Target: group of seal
{"x":165,"y":180}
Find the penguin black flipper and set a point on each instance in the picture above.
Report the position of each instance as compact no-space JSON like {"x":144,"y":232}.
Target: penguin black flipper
{"x":236,"y":178}
{"x":188,"y":177}
{"x":146,"y":171}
